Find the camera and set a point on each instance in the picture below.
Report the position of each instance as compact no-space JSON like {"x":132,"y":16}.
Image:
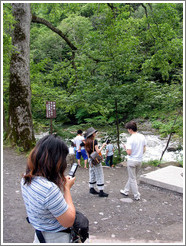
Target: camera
{"x":73,"y":170}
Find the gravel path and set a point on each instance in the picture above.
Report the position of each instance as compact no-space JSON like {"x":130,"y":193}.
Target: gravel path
{"x":156,"y":218}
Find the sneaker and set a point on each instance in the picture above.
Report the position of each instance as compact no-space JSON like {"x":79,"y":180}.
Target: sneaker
{"x":137,"y":198}
{"x":93,"y":191}
{"x":102,"y":194}
{"x":123,"y":193}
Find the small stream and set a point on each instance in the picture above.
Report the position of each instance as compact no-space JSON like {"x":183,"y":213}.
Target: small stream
{"x":154,"y":148}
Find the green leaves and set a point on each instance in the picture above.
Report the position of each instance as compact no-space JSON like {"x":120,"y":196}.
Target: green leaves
{"x":128,"y":62}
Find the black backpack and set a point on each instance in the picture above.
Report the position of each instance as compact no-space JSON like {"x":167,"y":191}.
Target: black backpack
{"x":80,"y":228}
{"x":79,"y":232}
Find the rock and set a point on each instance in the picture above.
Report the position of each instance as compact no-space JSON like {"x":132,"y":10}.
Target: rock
{"x":122,"y":164}
{"x":147,"y":168}
{"x":171,"y":149}
{"x":171,"y":163}
{"x":70,"y":159}
{"x":127,"y":200}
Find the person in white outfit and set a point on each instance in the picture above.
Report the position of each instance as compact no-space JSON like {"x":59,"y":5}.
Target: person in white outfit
{"x":80,"y":150}
{"x":135,"y":147}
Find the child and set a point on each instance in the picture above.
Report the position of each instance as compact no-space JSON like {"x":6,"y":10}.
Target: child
{"x":109,"y":154}
{"x":71,"y":156}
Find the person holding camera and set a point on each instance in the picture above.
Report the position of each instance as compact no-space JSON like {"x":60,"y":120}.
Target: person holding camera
{"x":96,"y":175}
{"x":135,"y":147}
{"x":49,"y":211}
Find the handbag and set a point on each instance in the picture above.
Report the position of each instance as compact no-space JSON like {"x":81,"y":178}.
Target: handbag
{"x":95,"y":157}
{"x":80,"y":229}
{"x":79,"y":232}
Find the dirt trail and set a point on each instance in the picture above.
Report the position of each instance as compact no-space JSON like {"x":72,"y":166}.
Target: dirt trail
{"x":156,"y":218}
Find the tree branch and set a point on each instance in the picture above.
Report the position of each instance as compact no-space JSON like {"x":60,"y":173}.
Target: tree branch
{"x":39,"y":20}
{"x":113,"y":8}
{"x":146,"y":13}
{"x":170,"y":135}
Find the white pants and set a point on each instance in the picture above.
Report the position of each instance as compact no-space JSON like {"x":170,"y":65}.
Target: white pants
{"x":96,"y":176}
{"x":54,"y":237}
{"x":133,"y":169}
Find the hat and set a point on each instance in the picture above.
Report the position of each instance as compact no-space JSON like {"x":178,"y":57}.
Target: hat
{"x":90,"y":131}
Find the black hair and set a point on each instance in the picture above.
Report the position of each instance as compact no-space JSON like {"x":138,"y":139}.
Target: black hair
{"x":48,"y":159}
{"x":79,"y":131}
{"x":131,"y":125}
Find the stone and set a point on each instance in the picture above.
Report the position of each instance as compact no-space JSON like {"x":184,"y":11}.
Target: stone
{"x":168,"y":177}
{"x":127,"y":200}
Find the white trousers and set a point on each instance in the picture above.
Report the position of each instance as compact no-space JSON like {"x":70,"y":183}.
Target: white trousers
{"x":96,"y":176}
{"x":54,"y":237}
{"x":133,"y":168}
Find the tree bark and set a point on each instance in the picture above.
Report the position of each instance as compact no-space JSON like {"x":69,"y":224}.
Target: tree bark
{"x":4,"y":121}
{"x":20,"y":116}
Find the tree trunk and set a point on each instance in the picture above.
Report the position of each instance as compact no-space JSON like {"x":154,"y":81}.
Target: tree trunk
{"x":20,"y":116}
{"x":4,"y":121}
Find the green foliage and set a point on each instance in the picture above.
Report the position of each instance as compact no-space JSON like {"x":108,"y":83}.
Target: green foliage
{"x":98,"y":120}
{"x":119,"y":158}
{"x":8,"y":22}
{"x":181,"y":161}
{"x":62,"y":132}
{"x":151,"y":163}
{"x":127,"y":65}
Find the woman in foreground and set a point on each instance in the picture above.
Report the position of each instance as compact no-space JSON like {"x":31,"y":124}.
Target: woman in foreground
{"x":48,"y":209}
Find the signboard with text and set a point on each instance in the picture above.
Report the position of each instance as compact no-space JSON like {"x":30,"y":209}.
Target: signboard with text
{"x":50,"y":109}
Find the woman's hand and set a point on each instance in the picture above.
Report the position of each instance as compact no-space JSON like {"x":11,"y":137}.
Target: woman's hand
{"x":67,"y":218}
{"x":69,"y":182}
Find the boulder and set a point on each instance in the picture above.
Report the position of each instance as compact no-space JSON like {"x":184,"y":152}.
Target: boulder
{"x":172,"y":163}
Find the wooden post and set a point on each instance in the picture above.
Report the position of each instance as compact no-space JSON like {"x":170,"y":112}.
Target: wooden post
{"x":51,"y":126}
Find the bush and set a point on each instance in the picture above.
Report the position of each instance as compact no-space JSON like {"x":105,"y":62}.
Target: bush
{"x":151,"y":163}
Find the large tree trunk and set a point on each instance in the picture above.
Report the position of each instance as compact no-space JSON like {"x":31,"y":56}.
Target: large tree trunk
{"x":20,"y":116}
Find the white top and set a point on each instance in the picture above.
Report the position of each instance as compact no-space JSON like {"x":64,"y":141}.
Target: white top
{"x":71,"y":150}
{"x":44,"y":202}
{"x":109,"y":147}
{"x":77,"y":141}
{"x":136,"y":143}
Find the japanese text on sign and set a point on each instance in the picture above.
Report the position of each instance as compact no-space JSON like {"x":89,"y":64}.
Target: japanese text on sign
{"x":50,"y":109}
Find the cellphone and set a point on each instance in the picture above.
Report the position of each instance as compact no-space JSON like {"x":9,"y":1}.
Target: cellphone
{"x":73,"y":170}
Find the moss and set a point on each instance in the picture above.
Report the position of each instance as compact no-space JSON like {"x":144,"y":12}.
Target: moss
{"x":19,"y":34}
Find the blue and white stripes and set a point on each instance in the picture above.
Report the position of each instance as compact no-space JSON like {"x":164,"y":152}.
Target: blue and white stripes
{"x":44,"y":202}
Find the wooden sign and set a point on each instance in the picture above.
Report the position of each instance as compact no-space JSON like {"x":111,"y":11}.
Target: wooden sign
{"x":50,"y":109}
